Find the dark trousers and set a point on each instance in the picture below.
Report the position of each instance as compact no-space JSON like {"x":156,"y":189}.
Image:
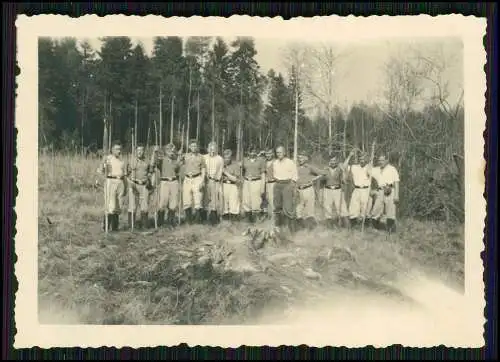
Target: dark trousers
{"x":284,"y":199}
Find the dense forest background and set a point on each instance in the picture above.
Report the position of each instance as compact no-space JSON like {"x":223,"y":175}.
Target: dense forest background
{"x":209,"y":89}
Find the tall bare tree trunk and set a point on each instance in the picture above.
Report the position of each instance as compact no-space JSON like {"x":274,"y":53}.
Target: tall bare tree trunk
{"x":135,"y":119}
{"x":329,"y":131}
{"x":239,"y":151}
{"x":82,"y":122}
{"x":198,"y":117}
{"x":160,"y":132}
{"x":172,"y":119}
{"x":213,"y":110}
{"x":296,"y":134}
{"x":188,"y":109}
{"x":110,"y":124}
{"x":363,"y":137}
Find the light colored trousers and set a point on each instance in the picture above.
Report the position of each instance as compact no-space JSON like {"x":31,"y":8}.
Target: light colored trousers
{"x":138,"y":197}
{"x":113,"y":195}
{"x":361,"y":203}
{"x":251,"y":195}
{"x":384,"y":206}
{"x":169,"y":195}
{"x":191,"y":193}
{"x":306,"y":203}
{"x":231,"y":199}
{"x":334,"y":203}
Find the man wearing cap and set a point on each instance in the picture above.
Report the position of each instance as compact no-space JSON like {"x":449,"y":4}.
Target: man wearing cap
{"x":114,"y":169}
{"x":194,"y":177}
{"x":387,"y":194}
{"x":269,"y":182}
{"x":169,"y":167}
{"x":214,"y":165}
{"x":285,"y":174}
{"x":253,"y":185}
{"x":334,"y":202}
{"x":138,"y":172}
{"x":305,"y":208}
{"x":360,"y":199}
{"x":230,"y":180}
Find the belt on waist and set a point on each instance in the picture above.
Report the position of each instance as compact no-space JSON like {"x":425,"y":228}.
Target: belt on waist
{"x":252,"y":178}
{"x":139,"y":182}
{"x":115,"y":177}
{"x":303,"y":187}
{"x":333,"y":187}
{"x":271,"y":181}
{"x":213,"y":179}
{"x":229,"y":182}
{"x":169,"y":178}
{"x":383,"y":186}
{"x":193,"y":175}
{"x":361,"y":187}
{"x":283,"y":181}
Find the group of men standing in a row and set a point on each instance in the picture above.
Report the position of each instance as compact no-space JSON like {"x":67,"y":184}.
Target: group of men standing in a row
{"x":264,"y":185}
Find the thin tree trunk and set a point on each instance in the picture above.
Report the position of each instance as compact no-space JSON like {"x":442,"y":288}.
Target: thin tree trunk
{"x":198,"y":117}
{"x":110,"y":125}
{"x":213,"y":110}
{"x":172,"y":120}
{"x":149,"y":132}
{"x":82,"y":125}
{"x":238,"y":147}
{"x":188,"y":109}
{"x":363,"y":137}
{"x":296,"y":132}
{"x":160,"y":132}
{"x":135,"y":120}
{"x":329,"y":130}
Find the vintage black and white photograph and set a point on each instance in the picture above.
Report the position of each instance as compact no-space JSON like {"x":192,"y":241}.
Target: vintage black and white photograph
{"x":255,"y":179}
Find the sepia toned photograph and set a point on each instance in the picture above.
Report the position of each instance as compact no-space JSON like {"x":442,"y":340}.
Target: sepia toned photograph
{"x":254,"y":181}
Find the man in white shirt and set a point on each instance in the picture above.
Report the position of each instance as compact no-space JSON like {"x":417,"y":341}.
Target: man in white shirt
{"x":214,"y":164}
{"x":285,"y":174}
{"x":387,"y":194}
{"x":114,"y":170}
{"x":360,"y":199}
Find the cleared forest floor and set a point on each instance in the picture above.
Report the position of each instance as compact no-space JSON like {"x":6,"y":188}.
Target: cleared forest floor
{"x":213,"y":275}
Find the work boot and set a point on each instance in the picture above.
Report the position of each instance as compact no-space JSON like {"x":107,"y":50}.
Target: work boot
{"x":391,"y":226}
{"x":170,"y":218}
{"x":347,"y":222}
{"x":115,"y":222}
{"x":353,"y":223}
{"x":203,"y":216}
{"x":368,"y":223}
{"x":189,"y":216}
{"x":299,"y":224}
{"x":161,"y":218}
{"x":144,"y":220}
{"x":311,"y":223}
{"x":292,"y":225}
{"x":196,"y":216}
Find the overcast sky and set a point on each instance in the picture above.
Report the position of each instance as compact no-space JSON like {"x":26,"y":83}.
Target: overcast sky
{"x":359,"y":77}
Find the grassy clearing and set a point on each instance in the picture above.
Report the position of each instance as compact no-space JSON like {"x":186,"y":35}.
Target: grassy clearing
{"x":205,"y":275}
